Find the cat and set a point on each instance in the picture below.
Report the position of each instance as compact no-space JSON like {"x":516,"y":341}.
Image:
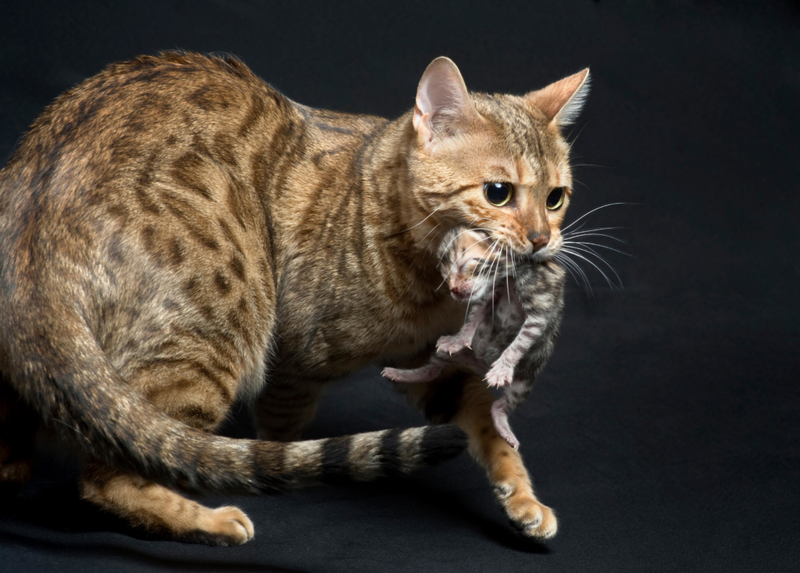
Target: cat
{"x":178,"y":235}
{"x":511,"y":329}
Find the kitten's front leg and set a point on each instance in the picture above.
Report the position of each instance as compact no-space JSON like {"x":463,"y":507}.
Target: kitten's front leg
{"x":432,"y":370}
{"x":425,"y":373}
{"x":465,"y":400}
{"x":502,"y":370}
{"x":463,"y":338}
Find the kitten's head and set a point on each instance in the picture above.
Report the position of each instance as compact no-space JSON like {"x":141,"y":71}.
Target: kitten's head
{"x":469,"y":264}
{"x":495,"y":162}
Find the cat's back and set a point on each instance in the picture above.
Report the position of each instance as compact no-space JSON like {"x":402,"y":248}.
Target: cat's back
{"x":141,"y":177}
{"x":155,"y":114}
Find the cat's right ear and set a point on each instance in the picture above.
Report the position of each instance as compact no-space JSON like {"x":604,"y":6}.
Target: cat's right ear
{"x":442,"y":104}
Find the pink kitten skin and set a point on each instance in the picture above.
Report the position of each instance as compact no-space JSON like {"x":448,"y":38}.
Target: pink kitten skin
{"x":513,"y":327}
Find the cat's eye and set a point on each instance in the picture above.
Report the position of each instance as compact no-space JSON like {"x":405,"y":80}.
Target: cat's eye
{"x":556,"y":198}
{"x":498,"y":194}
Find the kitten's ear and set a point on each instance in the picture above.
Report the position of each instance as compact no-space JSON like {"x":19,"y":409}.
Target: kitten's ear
{"x":442,"y":101}
{"x":562,"y":101}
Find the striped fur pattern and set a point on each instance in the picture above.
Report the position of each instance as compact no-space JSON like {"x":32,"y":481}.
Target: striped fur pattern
{"x":511,"y":329}
{"x":177,"y":235}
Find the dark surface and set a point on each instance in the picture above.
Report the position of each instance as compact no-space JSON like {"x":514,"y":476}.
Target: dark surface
{"x":665,"y":431}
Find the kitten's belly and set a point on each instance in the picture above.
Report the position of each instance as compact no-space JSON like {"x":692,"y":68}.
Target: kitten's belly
{"x":496,"y":333}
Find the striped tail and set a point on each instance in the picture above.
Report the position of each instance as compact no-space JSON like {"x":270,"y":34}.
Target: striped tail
{"x":359,"y":457}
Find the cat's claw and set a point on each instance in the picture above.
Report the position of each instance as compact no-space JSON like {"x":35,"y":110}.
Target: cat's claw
{"x":393,"y":374}
{"x":452,"y":344}
{"x":499,"y":375}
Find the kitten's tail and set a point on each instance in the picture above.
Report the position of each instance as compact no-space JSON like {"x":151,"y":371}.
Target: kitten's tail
{"x":77,"y":391}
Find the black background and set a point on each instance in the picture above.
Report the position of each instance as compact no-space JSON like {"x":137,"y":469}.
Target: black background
{"x":665,"y":431}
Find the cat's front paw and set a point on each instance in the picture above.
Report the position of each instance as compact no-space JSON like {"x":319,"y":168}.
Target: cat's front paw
{"x":499,"y":375}
{"x":452,"y":344}
{"x":526,"y":514}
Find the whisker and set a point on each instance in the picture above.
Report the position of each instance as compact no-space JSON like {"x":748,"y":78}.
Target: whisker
{"x":429,"y":232}
{"x":570,"y":264}
{"x":480,"y":277}
{"x":562,"y":260}
{"x":494,"y":281}
{"x":597,"y":245}
{"x":594,"y":210}
{"x":571,"y":143}
{"x":418,"y":224}
{"x":588,"y":260}
{"x":508,"y":289}
{"x":575,"y":233}
{"x":591,"y":251}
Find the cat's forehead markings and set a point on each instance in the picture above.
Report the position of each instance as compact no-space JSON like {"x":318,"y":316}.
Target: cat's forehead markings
{"x":526,"y":174}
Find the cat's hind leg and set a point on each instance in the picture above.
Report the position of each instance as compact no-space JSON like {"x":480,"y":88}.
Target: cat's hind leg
{"x":159,"y":510}
{"x":198,"y":392}
{"x":462,"y":398}
{"x":286,"y":406}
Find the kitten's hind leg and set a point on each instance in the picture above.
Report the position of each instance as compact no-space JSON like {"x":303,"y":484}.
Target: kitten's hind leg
{"x":500,"y":419}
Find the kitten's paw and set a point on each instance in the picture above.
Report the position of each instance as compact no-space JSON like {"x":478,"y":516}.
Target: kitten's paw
{"x":510,"y":438}
{"x":227,"y":526}
{"x":499,"y":375}
{"x":393,"y":374}
{"x":526,"y":514}
{"x":452,"y":344}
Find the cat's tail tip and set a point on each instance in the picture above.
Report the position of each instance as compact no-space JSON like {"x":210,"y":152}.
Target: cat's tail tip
{"x":442,"y":442}
{"x":403,"y":451}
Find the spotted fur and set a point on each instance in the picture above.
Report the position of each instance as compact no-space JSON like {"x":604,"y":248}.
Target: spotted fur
{"x":177,"y":235}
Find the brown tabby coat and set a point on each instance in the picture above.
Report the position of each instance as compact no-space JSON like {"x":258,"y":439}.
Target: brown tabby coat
{"x":176,"y":235}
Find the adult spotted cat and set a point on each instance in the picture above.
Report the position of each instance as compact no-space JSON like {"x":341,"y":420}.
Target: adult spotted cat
{"x":177,"y":235}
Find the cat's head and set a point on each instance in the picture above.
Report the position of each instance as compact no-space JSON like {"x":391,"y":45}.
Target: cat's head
{"x":494,"y":162}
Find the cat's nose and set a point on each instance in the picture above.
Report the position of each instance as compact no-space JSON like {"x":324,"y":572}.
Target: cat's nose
{"x":538,"y":240}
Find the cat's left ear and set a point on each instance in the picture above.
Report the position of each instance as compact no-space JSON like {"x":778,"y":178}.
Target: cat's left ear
{"x":562,"y":101}
{"x":442,"y":106}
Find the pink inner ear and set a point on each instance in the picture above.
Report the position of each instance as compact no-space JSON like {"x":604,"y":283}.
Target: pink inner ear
{"x":442,"y":98}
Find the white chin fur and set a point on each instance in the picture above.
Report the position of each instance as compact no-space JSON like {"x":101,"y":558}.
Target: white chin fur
{"x":547,"y":252}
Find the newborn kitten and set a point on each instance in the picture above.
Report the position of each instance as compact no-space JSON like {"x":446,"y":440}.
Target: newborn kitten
{"x":512,"y":326}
